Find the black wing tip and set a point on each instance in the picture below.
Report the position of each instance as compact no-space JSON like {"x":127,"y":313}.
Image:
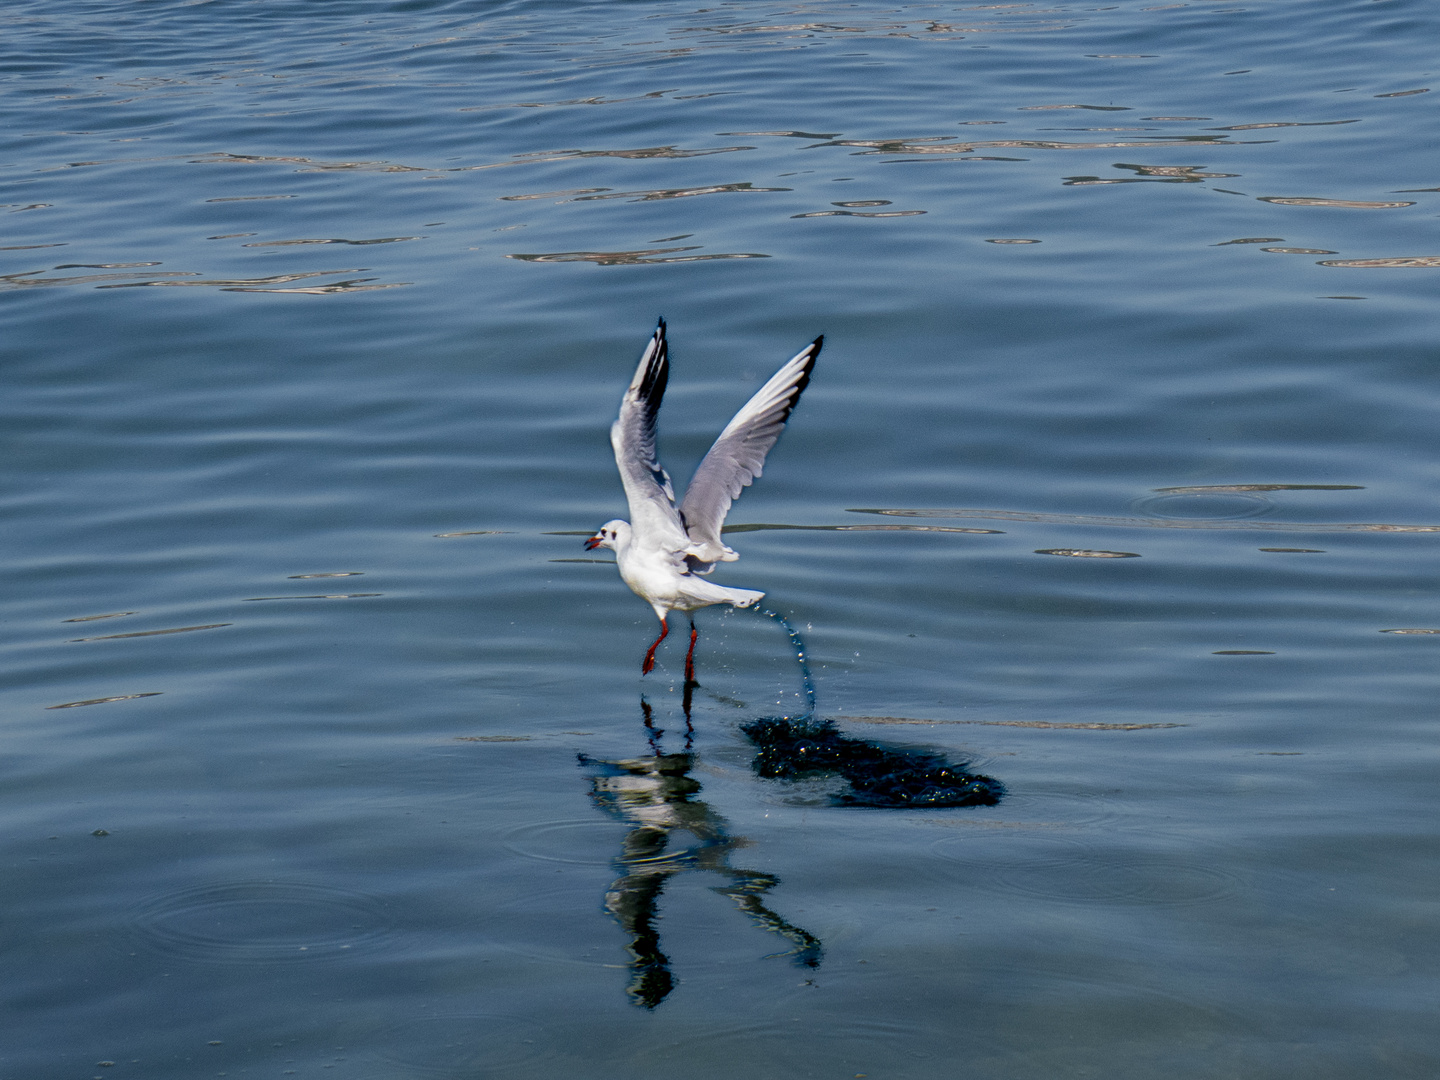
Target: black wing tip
{"x":657,"y":371}
{"x":804,"y":379}
{"x":814,"y":350}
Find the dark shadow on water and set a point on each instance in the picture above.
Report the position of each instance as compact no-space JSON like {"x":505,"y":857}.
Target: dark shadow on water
{"x":875,"y":775}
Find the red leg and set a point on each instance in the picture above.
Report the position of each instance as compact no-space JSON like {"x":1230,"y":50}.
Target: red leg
{"x":649,"y":664}
{"x":690,"y":656}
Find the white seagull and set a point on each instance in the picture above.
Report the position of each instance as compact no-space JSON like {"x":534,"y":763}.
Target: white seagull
{"x":663,"y":551}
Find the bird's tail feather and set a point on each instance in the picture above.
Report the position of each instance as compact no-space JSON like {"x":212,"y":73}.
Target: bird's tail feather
{"x":709,"y":593}
{"x":745,"y":597}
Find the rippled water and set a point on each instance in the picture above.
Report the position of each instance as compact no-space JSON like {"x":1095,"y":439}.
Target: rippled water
{"x":326,"y":749}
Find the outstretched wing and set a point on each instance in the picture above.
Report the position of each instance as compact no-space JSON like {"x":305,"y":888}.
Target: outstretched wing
{"x":653,"y":518}
{"x":738,"y":455}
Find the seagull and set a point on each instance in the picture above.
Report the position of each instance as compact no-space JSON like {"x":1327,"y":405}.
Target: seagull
{"x":663,"y":551}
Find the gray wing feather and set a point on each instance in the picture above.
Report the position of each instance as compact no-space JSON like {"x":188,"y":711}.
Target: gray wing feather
{"x":647,"y":486}
{"x":738,"y":455}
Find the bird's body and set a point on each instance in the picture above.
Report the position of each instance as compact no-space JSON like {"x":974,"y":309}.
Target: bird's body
{"x":663,"y":551}
{"x":666,"y":581}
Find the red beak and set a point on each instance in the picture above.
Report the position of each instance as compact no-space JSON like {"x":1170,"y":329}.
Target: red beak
{"x":592,"y":543}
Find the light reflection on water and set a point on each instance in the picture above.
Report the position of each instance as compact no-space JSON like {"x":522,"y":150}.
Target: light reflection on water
{"x":294,"y":288}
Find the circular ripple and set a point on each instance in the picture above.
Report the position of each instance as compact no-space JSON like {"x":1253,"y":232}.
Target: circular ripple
{"x":1058,"y":868}
{"x":463,"y":1044}
{"x":1207,"y":505}
{"x":260,"y":922}
{"x":586,"y":842}
{"x":1133,"y":881}
{"x":1059,"y":809}
{"x":540,"y":923}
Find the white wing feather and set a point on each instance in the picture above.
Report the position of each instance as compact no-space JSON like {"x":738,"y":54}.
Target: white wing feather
{"x":653,"y":517}
{"x":738,"y":456}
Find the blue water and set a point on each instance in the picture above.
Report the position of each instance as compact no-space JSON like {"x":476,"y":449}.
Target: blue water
{"x":315,"y":317}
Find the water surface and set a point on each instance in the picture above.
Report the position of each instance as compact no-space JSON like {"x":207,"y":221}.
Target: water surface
{"x":326,"y":747}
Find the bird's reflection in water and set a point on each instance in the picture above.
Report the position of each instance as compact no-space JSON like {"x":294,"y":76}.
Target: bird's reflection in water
{"x":655,"y":794}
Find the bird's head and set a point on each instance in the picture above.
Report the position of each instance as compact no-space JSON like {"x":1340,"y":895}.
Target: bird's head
{"x":610,"y":534}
